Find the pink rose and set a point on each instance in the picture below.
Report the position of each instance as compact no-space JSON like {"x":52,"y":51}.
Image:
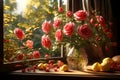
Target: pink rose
{"x":46,"y":42}
{"x":36,"y":54}
{"x":69,"y":14}
{"x":29,"y":44}
{"x":19,"y":33}
{"x":84,"y":31}
{"x":46,"y":55}
{"x":59,"y":35}
{"x":57,"y":22}
{"x":92,"y":21}
{"x":46,"y":26}
{"x":101,"y":20}
{"x":69,"y":28}
{"x":80,"y":15}
{"x":60,"y":9}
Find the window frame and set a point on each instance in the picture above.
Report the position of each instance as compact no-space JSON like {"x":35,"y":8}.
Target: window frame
{"x":11,"y":66}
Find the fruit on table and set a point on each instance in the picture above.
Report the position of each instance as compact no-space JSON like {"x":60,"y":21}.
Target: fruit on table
{"x":116,"y":65}
{"x":116,"y":59}
{"x":105,"y":66}
{"x":64,"y":68}
{"x":41,"y":66}
{"x":107,"y":60}
{"x":96,"y":67}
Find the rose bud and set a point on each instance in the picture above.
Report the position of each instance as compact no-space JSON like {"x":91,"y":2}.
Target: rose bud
{"x":60,"y":9}
{"x":47,"y":55}
{"x":19,"y":33}
{"x":59,"y":35}
{"x":46,"y":26}
{"x":57,"y":22}
{"x":69,"y":14}
{"x":101,"y":20}
{"x":20,"y":56}
{"x":46,"y":42}
{"x":29,"y":44}
{"x":36,"y":54}
{"x":80,"y":15}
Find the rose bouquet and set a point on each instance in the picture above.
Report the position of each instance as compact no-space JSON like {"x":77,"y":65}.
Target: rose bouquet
{"x":76,"y":29}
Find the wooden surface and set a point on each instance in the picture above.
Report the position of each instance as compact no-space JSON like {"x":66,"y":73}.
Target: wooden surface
{"x":70,"y":75}
{"x":74,"y":73}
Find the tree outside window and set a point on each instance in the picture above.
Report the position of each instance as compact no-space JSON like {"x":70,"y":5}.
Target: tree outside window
{"x":22,"y":29}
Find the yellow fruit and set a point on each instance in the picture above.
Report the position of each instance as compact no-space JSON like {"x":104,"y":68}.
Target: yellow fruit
{"x":45,"y":65}
{"x":96,"y":66}
{"x":105,"y":66}
{"x":41,"y":66}
{"x":64,"y":68}
{"x":107,"y":60}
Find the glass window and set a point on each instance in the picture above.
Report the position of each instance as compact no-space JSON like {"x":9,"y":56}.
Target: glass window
{"x":22,"y":29}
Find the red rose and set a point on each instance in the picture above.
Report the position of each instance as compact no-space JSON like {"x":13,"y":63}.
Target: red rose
{"x":106,"y":30}
{"x":46,"y":42}
{"x":59,"y":35}
{"x":84,"y":31}
{"x":46,"y":26}
{"x":110,"y":35}
{"x":69,"y":28}
{"x":69,"y":14}
{"x":19,"y":33}
{"x":80,"y":15}
{"x":60,"y":9}
{"x":36,"y":54}
{"x":20,"y":56}
{"x":57,"y":22}
{"x":29,"y":44}
{"x":101,"y":20}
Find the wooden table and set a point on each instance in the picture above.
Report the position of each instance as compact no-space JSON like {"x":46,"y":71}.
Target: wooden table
{"x":70,"y":75}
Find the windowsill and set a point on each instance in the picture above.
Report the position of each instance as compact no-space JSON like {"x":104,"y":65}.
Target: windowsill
{"x":72,"y":74}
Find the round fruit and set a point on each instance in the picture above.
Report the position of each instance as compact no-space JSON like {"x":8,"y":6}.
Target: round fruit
{"x":64,"y":68}
{"x":107,"y":60}
{"x":40,"y":66}
{"x":96,"y":67}
{"x":105,"y":66}
{"x":116,"y":59}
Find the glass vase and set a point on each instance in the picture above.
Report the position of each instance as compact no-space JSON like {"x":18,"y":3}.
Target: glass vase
{"x":77,"y":59}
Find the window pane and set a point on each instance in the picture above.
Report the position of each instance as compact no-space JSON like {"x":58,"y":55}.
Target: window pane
{"x":22,"y":29}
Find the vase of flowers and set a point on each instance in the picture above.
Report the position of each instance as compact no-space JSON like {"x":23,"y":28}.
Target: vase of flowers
{"x":76,"y":30}
{"x":77,"y":59}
